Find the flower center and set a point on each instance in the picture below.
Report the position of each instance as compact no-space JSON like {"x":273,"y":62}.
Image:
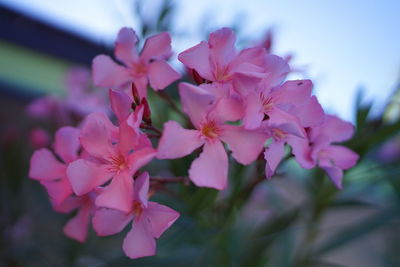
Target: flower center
{"x":210,"y":130}
{"x":266,"y":102}
{"x":278,"y":134}
{"x":139,"y":69}
{"x":222,"y":74}
{"x":117,"y":163}
{"x":137,"y":209}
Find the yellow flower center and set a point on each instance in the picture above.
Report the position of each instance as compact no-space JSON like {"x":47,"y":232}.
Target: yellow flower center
{"x":137,"y":209}
{"x":210,"y":130}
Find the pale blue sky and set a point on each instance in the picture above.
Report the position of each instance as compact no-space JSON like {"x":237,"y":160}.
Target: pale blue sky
{"x":344,"y":43}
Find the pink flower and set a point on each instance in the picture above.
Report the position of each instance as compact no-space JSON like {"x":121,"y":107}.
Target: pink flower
{"x":116,"y":156}
{"x":149,"y":221}
{"x":261,"y":99}
{"x":332,"y":158}
{"x":149,"y":66}
{"x":283,"y":129}
{"x":49,"y":171}
{"x":210,"y":169}
{"x":217,"y":60}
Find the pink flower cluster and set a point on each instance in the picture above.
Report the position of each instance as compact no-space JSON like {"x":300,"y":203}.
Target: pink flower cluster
{"x":241,"y":100}
{"x":95,"y":171}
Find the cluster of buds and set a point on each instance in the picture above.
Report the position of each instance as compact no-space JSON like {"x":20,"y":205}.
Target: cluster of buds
{"x":241,"y":98}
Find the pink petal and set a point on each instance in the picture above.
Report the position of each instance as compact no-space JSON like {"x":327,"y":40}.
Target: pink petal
{"x":335,"y":174}
{"x":85,"y":175}
{"x":67,"y":143}
{"x":109,"y":221}
{"x":125,"y":46}
{"x":118,"y":194}
{"x":254,"y":56}
{"x":120,"y":104}
{"x":302,"y":151}
{"x":294,"y":92}
{"x":44,"y":166}
{"x":253,"y":114}
{"x":128,"y":138}
{"x":161,"y":74}
{"x":222,"y":46}
{"x":139,"y":242}
{"x":139,"y":158}
{"x":141,"y":85}
{"x":246,"y":145}
{"x":198,"y":58}
{"x":58,"y":190}
{"x":273,"y":156}
{"x":226,"y":109}
{"x":106,"y":73}
{"x":177,"y":142}
{"x":245,"y":84}
{"x":210,"y":169}
{"x":141,"y":190}
{"x":336,"y":129}
{"x":342,"y":157}
{"x":196,"y":102}
{"x":310,"y":114}
{"x":161,"y":218}
{"x":70,"y":204}
{"x":77,"y":227}
{"x":276,"y":70}
{"x":157,"y":47}
{"x":96,"y":136}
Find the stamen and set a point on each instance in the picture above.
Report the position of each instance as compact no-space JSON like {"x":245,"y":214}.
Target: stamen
{"x":137,"y":209}
{"x":210,"y":130}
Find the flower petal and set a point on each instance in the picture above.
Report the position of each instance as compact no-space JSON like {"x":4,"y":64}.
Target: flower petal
{"x":106,"y":73}
{"x":120,"y":104}
{"x":118,"y":194}
{"x":96,"y":135}
{"x":335,"y":129}
{"x":177,"y":142}
{"x":273,"y":156}
{"x":226,"y":109}
{"x":246,"y":145}
{"x":139,"y":158}
{"x":58,"y":190}
{"x":210,"y":169}
{"x":139,"y":242}
{"x":44,"y":166}
{"x":125,"y":46}
{"x":77,"y":227}
{"x":276,"y":69}
{"x":67,"y":143}
{"x":161,"y":74}
{"x":253,"y":113}
{"x":310,"y":114}
{"x":222,"y":46}
{"x":198,"y":58}
{"x":335,"y":174}
{"x":157,"y":47}
{"x":302,"y":151}
{"x":161,"y":218}
{"x":85,"y":175}
{"x":342,"y":157}
{"x":141,"y":189}
{"x":296,"y":92}
{"x":110,"y":221}
{"x":196,"y":102}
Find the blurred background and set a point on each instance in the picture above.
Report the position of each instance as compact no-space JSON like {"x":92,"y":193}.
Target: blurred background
{"x":350,"y":49}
